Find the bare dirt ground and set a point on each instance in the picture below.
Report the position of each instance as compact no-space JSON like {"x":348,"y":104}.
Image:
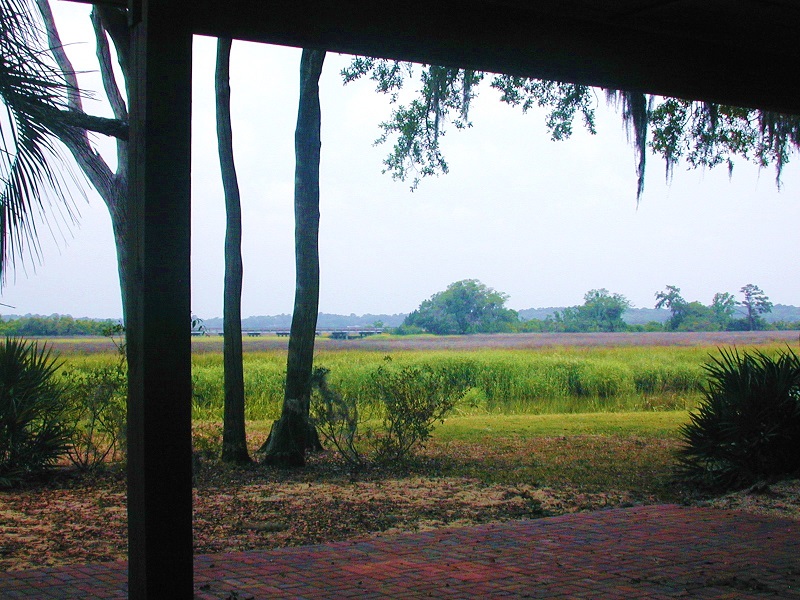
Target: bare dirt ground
{"x":74,"y":519}
{"x":780,"y":499}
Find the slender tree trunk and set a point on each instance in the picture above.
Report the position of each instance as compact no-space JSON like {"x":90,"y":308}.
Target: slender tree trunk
{"x":112,"y":187}
{"x":292,"y":434}
{"x":234,"y":442}
{"x":119,"y":223}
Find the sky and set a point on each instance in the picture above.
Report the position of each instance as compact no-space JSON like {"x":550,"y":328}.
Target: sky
{"x":541,"y":221}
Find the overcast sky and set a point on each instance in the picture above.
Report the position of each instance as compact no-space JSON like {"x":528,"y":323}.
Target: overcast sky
{"x":541,"y":221}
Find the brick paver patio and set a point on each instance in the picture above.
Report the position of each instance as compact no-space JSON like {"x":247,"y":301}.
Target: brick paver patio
{"x":644,"y":552}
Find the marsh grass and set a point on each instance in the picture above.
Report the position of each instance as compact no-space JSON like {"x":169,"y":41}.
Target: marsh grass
{"x":543,"y":380}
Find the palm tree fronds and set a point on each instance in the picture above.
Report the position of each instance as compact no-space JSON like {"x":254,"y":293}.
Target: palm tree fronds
{"x":33,"y":173}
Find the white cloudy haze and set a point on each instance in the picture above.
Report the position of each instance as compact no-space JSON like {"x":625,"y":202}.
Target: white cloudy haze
{"x":542,"y":221}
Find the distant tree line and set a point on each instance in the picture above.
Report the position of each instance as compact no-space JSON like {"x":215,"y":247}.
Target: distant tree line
{"x":469,"y":306}
{"x":325,"y":320}
{"x":54,"y":325}
{"x":602,"y":311}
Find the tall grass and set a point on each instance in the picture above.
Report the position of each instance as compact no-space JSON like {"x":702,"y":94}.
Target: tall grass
{"x":500,"y":381}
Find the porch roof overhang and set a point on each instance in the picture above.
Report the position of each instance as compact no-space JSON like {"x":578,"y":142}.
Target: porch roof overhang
{"x":739,"y":52}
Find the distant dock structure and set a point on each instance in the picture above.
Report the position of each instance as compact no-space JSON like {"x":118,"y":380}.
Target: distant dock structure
{"x":335,"y":333}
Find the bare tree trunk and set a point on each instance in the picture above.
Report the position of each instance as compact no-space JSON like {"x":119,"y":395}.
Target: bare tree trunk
{"x":234,"y":441}
{"x":112,"y":187}
{"x":293,"y":434}
{"x":116,"y":200}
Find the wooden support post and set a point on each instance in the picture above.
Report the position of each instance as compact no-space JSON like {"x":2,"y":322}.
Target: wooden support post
{"x":159,"y":310}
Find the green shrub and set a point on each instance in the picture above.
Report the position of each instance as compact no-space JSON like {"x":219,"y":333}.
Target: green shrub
{"x":336,"y":418}
{"x":33,"y":433}
{"x":413,"y":398}
{"x":206,"y":440}
{"x":97,"y":406}
{"x":97,"y":413}
{"x":747,"y":427}
{"x":407,"y":330}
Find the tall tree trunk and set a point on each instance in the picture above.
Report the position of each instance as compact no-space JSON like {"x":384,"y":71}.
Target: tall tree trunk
{"x":292,"y":433}
{"x":234,"y":442}
{"x":112,"y":187}
{"x":116,"y":200}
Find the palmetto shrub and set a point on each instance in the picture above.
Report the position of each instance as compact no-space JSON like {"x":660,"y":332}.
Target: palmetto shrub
{"x":33,"y":434}
{"x":747,"y":428}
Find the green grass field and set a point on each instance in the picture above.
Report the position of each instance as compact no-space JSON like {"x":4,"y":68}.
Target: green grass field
{"x":584,"y":452}
{"x":591,"y":452}
{"x":534,"y":380}
{"x":660,"y":424}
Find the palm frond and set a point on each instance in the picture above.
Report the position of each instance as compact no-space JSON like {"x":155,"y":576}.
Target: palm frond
{"x":34,"y":177}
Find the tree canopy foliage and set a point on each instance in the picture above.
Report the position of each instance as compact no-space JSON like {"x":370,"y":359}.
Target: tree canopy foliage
{"x":702,"y":133}
{"x":44,"y":103}
{"x":53,"y":325}
{"x":604,"y":311}
{"x":601,"y":311}
{"x":720,"y":315}
{"x":755,"y":303}
{"x":466,"y":306}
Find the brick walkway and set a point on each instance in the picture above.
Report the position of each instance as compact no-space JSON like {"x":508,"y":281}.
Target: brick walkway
{"x":645,"y":552}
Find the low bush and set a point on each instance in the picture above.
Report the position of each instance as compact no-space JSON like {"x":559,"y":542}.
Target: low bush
{"x":206,"y":440}
{"x":747,"y":428}
{"x":407,"y":330}
{"x":336,"y":418}
{"x":96,"y":399}
{"x":410,"y":401}
{"x":97,"y":414}
{"x":33,"y":430}
{"x":414,"y":399}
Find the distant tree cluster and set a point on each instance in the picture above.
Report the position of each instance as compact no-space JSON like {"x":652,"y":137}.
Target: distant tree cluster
{"x":601,"y":311}
{"x":466,"y":306}
{"x":469,"y":306}
{"x":54,"y":325}
{"x":725,"y":313}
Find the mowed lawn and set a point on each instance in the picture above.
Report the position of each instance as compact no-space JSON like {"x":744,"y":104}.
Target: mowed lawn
{"x":631,"y":451}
